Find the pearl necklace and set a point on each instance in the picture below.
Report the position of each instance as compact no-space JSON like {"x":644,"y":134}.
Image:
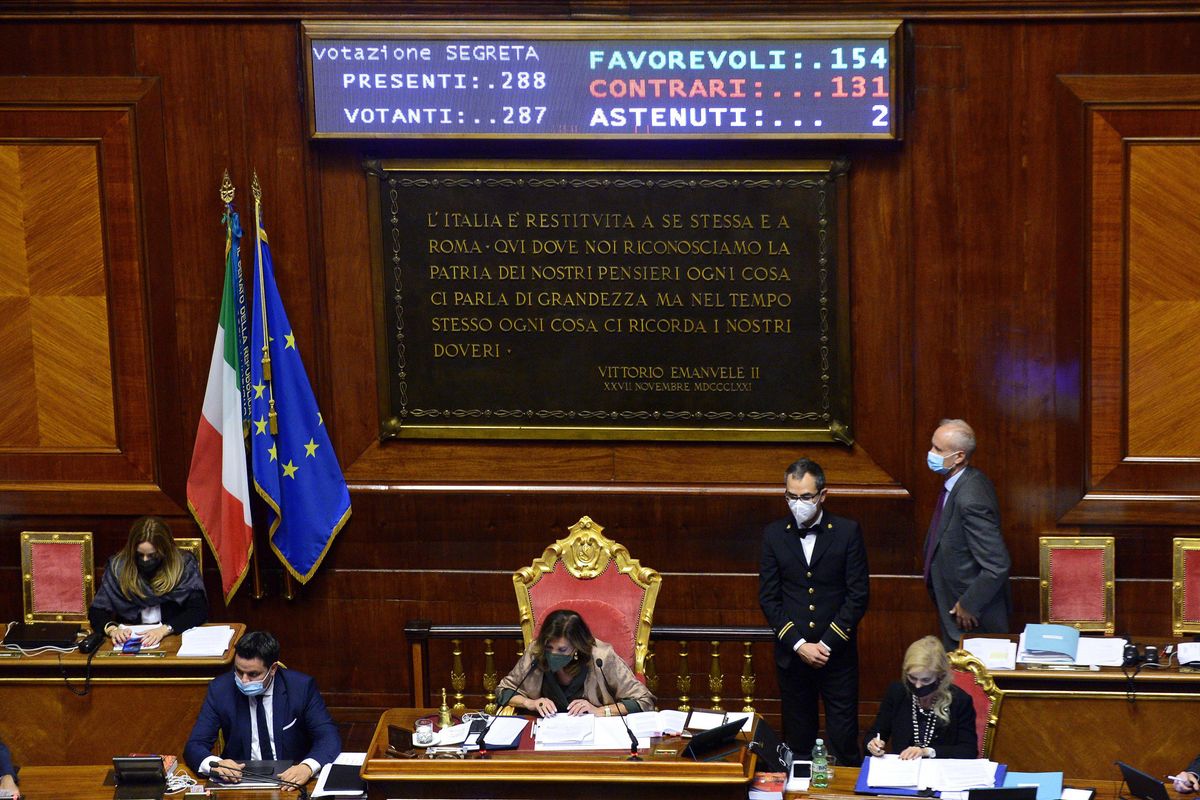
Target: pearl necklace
{"x":922,"y":736}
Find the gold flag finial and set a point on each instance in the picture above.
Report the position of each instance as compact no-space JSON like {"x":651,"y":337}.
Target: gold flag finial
{"x":227,"y":190}
{"x":256,"y":188}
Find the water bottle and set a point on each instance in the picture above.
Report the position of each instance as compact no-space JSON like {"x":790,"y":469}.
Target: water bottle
{"x":820,"y":766}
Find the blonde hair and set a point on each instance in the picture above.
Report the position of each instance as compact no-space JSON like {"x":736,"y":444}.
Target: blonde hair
{"x":928,"y":655}
{"x":156,"y":532}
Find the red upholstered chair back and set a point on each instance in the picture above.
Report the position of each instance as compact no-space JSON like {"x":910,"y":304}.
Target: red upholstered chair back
{"x":1185,"y":587}
{"x":1077,"y":585}
{"x":58,"y":575}
{"x":973,"y":677}
{"x":589,"y":573}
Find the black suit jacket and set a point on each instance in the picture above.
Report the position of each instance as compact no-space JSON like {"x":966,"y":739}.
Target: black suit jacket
{"x":970,"y":562}
{"x":958,"y":739}
{"x":818,"y":602}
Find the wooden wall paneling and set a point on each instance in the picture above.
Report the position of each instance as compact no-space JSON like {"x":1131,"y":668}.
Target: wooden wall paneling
{"x":112,"y":115}
{"x":1117,"y":110}
{"x":52,"y":48}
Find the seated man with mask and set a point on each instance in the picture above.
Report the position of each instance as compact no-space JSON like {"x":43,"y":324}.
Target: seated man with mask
{"x":261,"y":695}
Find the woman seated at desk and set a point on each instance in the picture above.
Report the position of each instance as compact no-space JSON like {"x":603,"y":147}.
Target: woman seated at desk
{"x":150,"y":581}
{"x":559,"y":672}
{"x":924,"y":715}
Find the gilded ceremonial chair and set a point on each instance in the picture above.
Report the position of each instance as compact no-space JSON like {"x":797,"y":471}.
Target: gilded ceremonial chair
{"x":1185,"y":587}
{"x":58,"y":575}
{"x":196,"y":548}
{"x":1077,"y":581}
{"x":972,"y":677}
{"x":590,"y":573}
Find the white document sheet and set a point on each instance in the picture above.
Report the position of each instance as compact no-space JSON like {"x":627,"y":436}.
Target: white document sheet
{"x":674,"y":721}
{"x":563,"y":729}
{"x":892,"y":772}
{"x":1188,"y":652}
{"x":1103,"y":651}
{"x":207,"y":641}
{"x":996,"y":654}
{"x":705,"y":720}
{"x":940,"y":774}
{"x":504,"y":730}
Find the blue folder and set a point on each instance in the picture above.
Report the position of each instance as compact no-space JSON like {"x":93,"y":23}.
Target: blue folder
{"x":861,"y":786}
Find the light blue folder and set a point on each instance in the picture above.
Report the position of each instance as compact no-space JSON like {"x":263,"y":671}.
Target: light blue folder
{"x":1049,"y":783}
{"x":1055,"y":641}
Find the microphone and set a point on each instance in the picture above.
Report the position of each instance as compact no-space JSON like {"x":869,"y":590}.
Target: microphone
{"x":633,"y":742}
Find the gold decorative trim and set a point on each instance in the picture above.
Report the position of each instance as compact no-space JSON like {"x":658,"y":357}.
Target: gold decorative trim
{"x":195,"y":546}
{"x":86,"y":574}
{"x":1047,"y":545}
{"x":1179,"y":588}
{"x":786,"y":628}
{"x":586,"y":552}
{"x":963,"y":661}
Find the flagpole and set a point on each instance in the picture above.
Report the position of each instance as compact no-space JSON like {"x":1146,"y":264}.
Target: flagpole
{"x":272,"y":417}
{"x":262,"y":296}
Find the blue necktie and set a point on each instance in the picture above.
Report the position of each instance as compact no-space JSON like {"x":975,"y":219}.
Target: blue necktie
{"x":264,"y":731}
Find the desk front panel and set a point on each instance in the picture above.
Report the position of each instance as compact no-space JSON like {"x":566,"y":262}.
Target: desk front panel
{"x":524,"y":773}
{"x":137,"y":704}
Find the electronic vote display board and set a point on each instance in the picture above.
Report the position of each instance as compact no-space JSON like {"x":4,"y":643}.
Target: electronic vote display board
{"x":753,"y":80}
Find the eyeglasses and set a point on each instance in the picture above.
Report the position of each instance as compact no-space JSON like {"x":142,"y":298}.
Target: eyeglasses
{"x":807,"y":498}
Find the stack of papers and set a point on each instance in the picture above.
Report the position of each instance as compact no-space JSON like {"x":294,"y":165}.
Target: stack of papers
{"x":996,"y":654}
{"x":1058,"y":644}
{"x":207,"y":641}
{"x":939,"y":774}
{"x":1049,"y":644}
{"x":564,"y":732}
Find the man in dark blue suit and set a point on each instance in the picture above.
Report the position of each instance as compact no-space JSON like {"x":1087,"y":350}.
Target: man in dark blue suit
{"x":813,"y":589}
{"x":261,"y":695}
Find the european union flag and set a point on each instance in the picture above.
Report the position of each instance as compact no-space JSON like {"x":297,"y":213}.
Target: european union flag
{"x":295,"y":469}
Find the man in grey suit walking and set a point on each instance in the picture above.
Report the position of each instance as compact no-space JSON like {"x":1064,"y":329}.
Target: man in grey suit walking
{"x":966,"y":561}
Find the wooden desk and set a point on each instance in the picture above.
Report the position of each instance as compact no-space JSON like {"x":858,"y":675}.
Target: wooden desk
{"x":137,"y":704}
{"x":518,"y":773}
{"x":95,"y":783}
{"x":1083,"y":720}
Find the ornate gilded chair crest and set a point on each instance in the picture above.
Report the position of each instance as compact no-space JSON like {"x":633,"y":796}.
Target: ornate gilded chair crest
{"x":590,"y":573}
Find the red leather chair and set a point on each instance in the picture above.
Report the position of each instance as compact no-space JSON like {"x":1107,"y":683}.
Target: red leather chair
{"x":973,"y":677}
{"x":590,"y":573}
{"x":1077,"y":583}
{"x":58,"y":576}
{"x":1185,"y":587}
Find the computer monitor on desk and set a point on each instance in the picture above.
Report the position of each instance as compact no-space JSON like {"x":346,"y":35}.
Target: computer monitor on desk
{"x":1142,"y":785}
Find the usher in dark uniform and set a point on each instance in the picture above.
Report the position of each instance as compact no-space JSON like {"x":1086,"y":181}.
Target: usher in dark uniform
{"x":818,"y":602}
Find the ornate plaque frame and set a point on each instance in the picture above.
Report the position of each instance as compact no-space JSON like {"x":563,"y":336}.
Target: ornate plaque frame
{"x":788,"y":379}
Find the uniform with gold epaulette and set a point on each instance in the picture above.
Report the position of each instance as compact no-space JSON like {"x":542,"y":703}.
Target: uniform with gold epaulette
{"x":822,"y":601}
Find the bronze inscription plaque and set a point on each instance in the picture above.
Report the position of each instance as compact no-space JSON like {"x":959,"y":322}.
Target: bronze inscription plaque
{"x":665,"y":300}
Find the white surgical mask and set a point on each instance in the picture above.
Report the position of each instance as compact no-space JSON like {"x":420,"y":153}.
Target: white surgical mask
{"x":803,"y":511}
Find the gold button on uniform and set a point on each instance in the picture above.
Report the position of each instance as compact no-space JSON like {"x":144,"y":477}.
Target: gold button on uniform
{"x":812,"y":590}
{"x":812,"y":608}
{"x":808,"y":574}
{"x":812,"y":624}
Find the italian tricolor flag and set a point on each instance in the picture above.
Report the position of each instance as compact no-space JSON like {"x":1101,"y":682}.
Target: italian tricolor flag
{"x":217,"y":489}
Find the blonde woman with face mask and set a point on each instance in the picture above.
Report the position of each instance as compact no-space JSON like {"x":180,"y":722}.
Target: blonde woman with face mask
{"x":924,"y":715}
